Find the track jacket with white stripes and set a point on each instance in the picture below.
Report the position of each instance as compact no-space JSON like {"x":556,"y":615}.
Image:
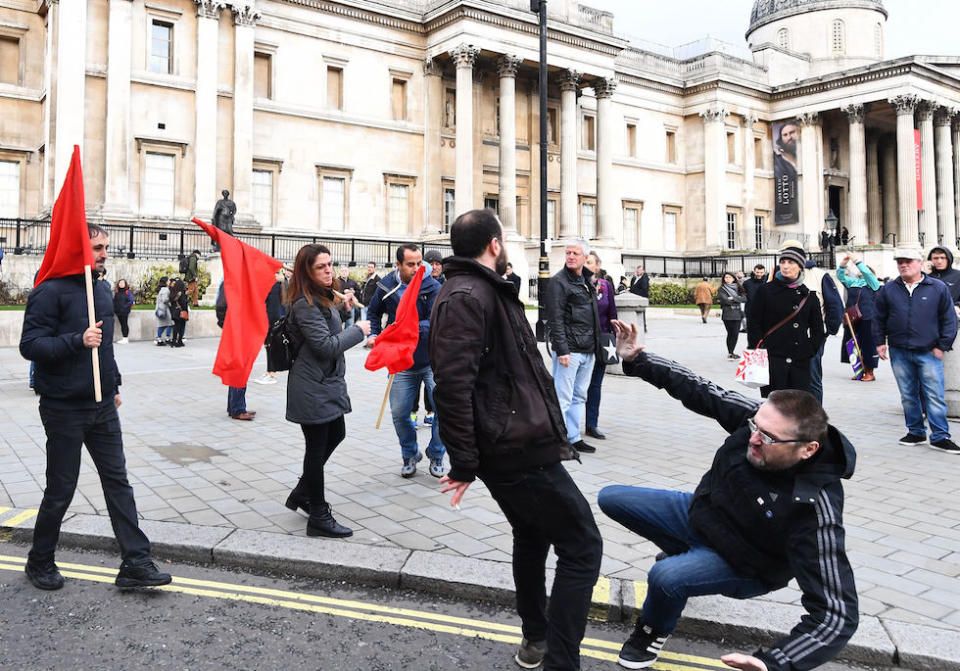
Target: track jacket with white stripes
{"x":772,"y":525}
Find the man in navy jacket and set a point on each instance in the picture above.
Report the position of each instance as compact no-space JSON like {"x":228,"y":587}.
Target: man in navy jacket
{"x":406,"y":384}
{"x":57,"y":337}
{"x":914,"y":326}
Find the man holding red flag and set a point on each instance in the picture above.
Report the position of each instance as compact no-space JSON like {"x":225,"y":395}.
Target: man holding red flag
{"x":59,"y":338}
{"x":406,"y":297}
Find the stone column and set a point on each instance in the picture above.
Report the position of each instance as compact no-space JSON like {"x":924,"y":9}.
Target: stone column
{"x":464,"y":56}
{"x":749,"y":167}
{"x":858,"y":174}
{"x":569,"y":85}
{"x":946,"y":216}
{"x":507,"y":68}
{"x":811,"y":188}
{"x":891,"y":199}
{"x":909,"y":232}
{"x":928,"y":215}
{"x":117,"y":167}
{"x":609,"y":220}
{"x":244,"y":18}
{"x":714,"y":178}
{"x":205,"y":192}
{"x":433,"y":211}
{"x":70,"y":82}
{"x":955,"y":128}
{"x":874,"y":207}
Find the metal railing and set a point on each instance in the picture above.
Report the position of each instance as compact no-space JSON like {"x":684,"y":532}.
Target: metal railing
{"x":713,"y":266}
{"x":30,"y":236}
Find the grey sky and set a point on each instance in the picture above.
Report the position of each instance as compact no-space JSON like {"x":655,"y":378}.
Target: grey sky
{"x":913,"y":26}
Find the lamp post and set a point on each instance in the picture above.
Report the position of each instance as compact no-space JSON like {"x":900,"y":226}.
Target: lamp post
{"x":540,"y":8}
{"x":831,"y":222}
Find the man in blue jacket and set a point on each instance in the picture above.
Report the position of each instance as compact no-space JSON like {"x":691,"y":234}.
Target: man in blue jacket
{"x":406,"y":384}
{"x":915,"y":325}
{"x":57,"y":337}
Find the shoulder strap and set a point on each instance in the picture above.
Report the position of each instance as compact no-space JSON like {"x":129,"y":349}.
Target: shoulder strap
{"x":784,"y":320}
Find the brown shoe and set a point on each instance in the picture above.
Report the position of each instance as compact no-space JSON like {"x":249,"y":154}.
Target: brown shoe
{"x":246,"y":416}
{"x":868,"y":377}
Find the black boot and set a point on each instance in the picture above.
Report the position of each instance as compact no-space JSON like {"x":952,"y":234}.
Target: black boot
{"x":299,"y":498}
{"x":321,"y":523}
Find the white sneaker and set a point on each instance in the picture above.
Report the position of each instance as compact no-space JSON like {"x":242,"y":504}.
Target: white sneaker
{"x":266,"y":379}
{"x":123,"y":341}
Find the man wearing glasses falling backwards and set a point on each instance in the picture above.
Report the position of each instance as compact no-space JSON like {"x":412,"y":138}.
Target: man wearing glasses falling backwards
{"x":768,"y":510}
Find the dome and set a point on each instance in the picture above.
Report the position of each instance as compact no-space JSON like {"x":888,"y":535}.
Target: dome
{"x":765,"y":11}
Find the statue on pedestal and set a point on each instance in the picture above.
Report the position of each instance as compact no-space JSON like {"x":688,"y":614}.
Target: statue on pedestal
{"x":223,"y":213}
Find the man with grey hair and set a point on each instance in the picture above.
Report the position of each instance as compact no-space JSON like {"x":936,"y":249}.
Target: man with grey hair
{"x":573,"y":331}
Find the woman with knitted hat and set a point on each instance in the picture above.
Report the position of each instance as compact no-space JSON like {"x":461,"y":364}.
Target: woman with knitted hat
{"x":784,"y":318}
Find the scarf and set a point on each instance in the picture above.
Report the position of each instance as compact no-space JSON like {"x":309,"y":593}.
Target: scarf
{"x":793,"y":284}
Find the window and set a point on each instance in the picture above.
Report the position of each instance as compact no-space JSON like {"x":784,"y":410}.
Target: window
{"x":878,"y":40}
{"x":333,"y":203}
{"x":9,"y":189}
{"x":398,"y":208}
{"x":161,"y":47}
{"x":449,"y":207}
{"x":731,"y":148}
{"x":758,"y":152}
{"x":670,"y":230}
{"x":552,"y":133}
{"x":631,"y":226}
{"x":450,"y":109}
{"x":9,"y":60}
{"x":631,"y":139}
{"x":731,"y":230}
{"x":589,"y":133}
{"x":159,"y":184}
{"x":335,"y":88}
{"x":263,"y":197}
{"x":400,"y":99}
{"x":492,"y":204}
{"x":671,"y":155}
{"x":758,"y":231}
{"x":588,"y":220}
{"x":837,"y":37}
{"x":262,"y":75}
{"x":552,"y":218}
{"x":783,"y":38}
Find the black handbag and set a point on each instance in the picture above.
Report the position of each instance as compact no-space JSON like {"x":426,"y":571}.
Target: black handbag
{"x":608,"y":349}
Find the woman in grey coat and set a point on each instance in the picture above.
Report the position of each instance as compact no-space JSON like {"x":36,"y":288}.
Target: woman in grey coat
{"x":162,"y":312}
{"x":316,"y":389}
{"x":731,"y":296}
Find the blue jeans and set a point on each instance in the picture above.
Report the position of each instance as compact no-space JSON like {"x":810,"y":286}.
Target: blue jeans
{"x":693,"y":569}
{"x":236,"y":400}
{"x":919,"y":376}
{"x":572,"y":383}
{"x":593,"y":394}
{"x":816,"y":373}
{"x":161,"y":329}
{"x":403,"y":397}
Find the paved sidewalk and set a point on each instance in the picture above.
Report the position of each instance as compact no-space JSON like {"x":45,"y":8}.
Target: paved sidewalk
{"x":190,"y":463}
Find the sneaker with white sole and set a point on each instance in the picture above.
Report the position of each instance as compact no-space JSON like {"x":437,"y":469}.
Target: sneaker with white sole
{"x":436,"y":467}
{"x":912,"y":439}
{"x":944,"y":445}
{"x":530,"y":654}
{"x":642,"y":648}
{"x":266,"y":379}
{"x":428,"y":419}
{"x":123,"y":341}
{"x":409,"y":468}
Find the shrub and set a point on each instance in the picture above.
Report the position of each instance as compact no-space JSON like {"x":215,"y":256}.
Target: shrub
{"x":147,"y":290}
{"x":669,"y":293}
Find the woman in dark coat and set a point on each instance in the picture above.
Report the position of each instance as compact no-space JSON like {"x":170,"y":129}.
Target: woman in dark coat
{"x":122,"y":304}
{"x":316,"y":389}
{"x":179,"y":305}
{"x":791,"y":346}
{"x":607,"y":310}
{"x":861,"y":284}
{"x":731,"y":296}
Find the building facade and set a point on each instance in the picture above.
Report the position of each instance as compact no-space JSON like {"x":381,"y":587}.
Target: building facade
{"x":362,"y":118}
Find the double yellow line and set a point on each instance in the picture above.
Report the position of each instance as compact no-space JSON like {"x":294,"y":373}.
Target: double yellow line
{"x":367,"y":612}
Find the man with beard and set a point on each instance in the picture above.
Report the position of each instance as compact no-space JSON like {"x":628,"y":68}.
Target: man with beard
{"x":57,"y":337}
{"x":785,"y":174}
{"x":501,"y":422}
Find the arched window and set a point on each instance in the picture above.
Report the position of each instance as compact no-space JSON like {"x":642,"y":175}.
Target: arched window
{"x":783,"y":38}
{"x":838,"y":41}
{"x":878,"y":40}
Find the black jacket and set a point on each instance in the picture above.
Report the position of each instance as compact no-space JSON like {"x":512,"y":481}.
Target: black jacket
{"x":772,"y":525}
{"x":750,"y":285}
{"x":573,"y":322}
{"x":798,"y":339}
{"x":369,"y":287}
{"x":731,"y":304}
{"x":53,"y":326}
{"x":495,"y":399}
{"x":640,"y":286}
{"x":950,"y":276}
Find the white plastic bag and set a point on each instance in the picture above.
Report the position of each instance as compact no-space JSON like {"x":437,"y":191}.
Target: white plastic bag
{"x":753,"y":369}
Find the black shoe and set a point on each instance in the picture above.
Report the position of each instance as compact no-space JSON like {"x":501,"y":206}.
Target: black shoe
{"x":581,"y":446}
{"x":913,"y":439}
{"x":44,"y":575}
{"x":642,"y":648}
{"x":596,"y":433}
{"x":321,"y":523}
{"x":144,"y":574}
{"x":945,"y":445}
{"x":299,"y":498}
{"x":530,"y":654}
{"x":160,"y":343}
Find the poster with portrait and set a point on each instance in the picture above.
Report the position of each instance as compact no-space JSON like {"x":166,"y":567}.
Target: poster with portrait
{"x":786,"y":136}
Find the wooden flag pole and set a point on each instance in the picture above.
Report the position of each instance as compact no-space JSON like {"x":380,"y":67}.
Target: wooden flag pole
{"x":92,"y":316}
{"x":386,"y":395}
{"x":856,"y":343}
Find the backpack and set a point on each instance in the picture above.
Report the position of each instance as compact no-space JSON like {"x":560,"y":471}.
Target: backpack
{"x":282,"y":346}
{"x":184,"y":264}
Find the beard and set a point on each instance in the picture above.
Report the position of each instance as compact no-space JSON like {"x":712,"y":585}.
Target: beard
{"x":501,"y":263}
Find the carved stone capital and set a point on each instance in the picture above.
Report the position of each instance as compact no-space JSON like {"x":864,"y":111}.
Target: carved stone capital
{"x":944,"y":116}
{"x":431,"y":68}
{"x":209,"y":9}
{"x":508,"y":65}
{"x":904,"y":104}
{"x":605,"y":87}
{"x":808,"y":119}
{"x":925,"y":110}
{"x":855,"y":113}
{"x":750,"y":119}
{"x":245,"y":13}
{"x":569,"y":80}
{"x":464,"y":55}
{"x":712,"y":114}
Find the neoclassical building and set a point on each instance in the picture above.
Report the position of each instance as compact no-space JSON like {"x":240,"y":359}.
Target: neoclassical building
{"x":370,"y":118}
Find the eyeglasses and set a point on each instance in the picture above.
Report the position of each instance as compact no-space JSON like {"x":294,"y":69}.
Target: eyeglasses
{"x":767,"y":440}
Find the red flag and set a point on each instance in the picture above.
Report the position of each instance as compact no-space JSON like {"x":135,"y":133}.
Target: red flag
{"x":394,"y":347}
{"x":248,"y":276}
{"x":69,"y":248}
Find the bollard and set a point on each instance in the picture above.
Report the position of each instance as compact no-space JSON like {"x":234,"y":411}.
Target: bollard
{"x":951,"y":378}
{"x":631,"y":309}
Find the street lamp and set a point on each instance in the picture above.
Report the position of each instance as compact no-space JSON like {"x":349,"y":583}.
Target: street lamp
{"x":540,"y":8}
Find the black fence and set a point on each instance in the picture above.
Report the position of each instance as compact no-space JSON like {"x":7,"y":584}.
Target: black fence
{"x":30,"y":236}
{"x":712,"y":266}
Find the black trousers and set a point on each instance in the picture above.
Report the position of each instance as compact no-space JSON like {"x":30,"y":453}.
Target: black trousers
{"x":733,"y":333}
{"x":784,"y":374}
{"x":321,"y":441}
{"x":99,"y":430}
{"x":544,"y":508}
{"x":124,"y":326}
{"x":179,"y":326}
